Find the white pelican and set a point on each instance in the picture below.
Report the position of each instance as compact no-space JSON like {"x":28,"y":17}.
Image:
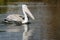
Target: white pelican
{"x":21,"y":19}
{"x":18,"y":18}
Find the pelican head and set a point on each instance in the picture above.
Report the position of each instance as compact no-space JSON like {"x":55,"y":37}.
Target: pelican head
{"x":25,"y":8}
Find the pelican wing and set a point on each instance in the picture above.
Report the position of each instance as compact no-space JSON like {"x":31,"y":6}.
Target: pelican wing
{"x":14,"y":17}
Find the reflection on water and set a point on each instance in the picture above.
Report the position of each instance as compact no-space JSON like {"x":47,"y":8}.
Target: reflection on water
{"x":38,"y":27}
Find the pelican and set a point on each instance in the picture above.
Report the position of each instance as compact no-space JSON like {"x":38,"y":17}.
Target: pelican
{"x":19,"y":18}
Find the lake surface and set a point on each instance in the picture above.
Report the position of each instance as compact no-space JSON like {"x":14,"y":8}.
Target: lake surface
{"x":38,"y":27}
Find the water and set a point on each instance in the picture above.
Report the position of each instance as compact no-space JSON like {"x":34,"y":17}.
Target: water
{"x":38,"y":27}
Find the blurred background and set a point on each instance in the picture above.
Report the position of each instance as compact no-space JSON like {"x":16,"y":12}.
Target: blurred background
{"x":53,"y":31}
{"x":6,"y":2}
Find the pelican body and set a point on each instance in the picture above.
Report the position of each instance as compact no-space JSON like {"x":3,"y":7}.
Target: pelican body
{"x":17,"y":18}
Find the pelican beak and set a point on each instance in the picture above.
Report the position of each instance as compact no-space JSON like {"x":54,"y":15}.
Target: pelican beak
{"x":25,"y":8}
{"x":30,"y":14}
